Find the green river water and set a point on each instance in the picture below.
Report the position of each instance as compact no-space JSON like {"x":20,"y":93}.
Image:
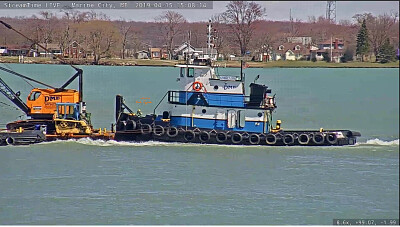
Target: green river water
{"x":99,"y":182}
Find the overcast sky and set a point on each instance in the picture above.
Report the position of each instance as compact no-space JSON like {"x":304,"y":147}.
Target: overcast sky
{"x":276,"y":10}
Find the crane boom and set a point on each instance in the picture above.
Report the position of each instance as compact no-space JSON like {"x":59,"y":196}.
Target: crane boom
{"x":10,"y":94}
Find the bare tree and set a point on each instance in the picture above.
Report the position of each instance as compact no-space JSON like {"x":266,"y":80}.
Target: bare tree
{"x":100,"y":37}
{"x":48,"y":29}
{"x":125,"y":29}
{"x":171,"y":26}
{"x":240,"y":17}
{"x":379,"y":30}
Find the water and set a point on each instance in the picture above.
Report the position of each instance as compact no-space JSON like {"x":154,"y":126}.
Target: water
{"x":98,"y":182}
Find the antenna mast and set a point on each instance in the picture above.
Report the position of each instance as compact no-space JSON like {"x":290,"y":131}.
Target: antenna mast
{"x":331,"y":11}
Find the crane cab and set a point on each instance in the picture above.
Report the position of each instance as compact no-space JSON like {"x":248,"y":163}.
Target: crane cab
{"x":42,"y":102}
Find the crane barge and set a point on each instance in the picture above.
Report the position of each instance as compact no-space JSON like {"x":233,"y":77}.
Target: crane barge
{"x":54,"y":112}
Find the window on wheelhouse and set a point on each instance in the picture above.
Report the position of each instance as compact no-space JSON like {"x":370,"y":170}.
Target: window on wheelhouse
{"x":182,"y":72}
{"x":190,"y":72}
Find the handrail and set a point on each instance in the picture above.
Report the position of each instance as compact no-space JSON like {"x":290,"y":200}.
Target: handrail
{"x":154,"y":111}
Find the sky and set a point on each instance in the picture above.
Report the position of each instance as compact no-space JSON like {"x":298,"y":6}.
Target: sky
{"x":276,"y":10}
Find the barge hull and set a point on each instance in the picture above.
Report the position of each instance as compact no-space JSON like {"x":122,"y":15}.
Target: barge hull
{"x":281,"y":138}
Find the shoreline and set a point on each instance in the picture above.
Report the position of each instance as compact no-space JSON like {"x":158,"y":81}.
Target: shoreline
{"x":221,"y":64}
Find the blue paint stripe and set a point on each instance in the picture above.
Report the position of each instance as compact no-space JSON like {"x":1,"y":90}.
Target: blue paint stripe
{"x":250,"y":126}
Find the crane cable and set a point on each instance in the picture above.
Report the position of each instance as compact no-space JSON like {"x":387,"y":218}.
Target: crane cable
{"x":9,"y":67}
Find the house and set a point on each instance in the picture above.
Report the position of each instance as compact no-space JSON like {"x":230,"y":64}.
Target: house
{"x":17,"y":50}
{"x":181,"y":51}
{"x":75,"y":50}
{"x":319,"y":54}
{"x":324,"y":49}
{"x":305,"y":40}
{"x":142,"y":54}
{"x":290,"y":52}
{"x":3,"y":51}
{"x":158,"y":53}
{"x":155,"y":53}
{"x":52,"y":48}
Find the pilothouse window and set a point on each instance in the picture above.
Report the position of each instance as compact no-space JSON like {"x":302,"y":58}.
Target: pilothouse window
{"x":190,"y":72}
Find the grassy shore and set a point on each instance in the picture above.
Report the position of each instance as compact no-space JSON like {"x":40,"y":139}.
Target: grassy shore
{"x":148,"y":62}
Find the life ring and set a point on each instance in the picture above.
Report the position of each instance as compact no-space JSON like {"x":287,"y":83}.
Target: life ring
{"x":318,"y":138}
{"x":236,"y":137}
{"x":303,"y":139}
{"x":172,"y":131}
{"x":254,"y":139}
{"x":130,"y":125}
{"x":197,"y":86}
{"x":331,"y":138}
{"x":159,"y":130}
{"x":204,"y":136}
{"x":221,"y":137}
{"x":270,"y":139}
{"x":288,"y":139}
{"x":189,"y":135}
{"x":10,"y":140}
{"x":145,"y":129}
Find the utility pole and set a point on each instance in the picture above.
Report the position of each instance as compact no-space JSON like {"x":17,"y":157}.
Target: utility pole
{"x":291,"y":21}
{"x":331,"y":50}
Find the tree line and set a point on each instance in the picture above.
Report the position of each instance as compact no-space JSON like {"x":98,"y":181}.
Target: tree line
{"x":241,"y":29}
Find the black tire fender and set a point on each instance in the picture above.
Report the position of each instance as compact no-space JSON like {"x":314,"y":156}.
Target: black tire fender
{"x":254,"y":139}
{"x":121,"y":125}
{"x":270,"y":139}
{"x":146,"y":129}
{"x":10,"y":140}
{"x":159,"y":130}
{"x":331,"y":138}
{"x":130,"y":125}
{"x":318,"y":138}
{"x":172,"y":131}
{"x":303,"y":139}
{"x":288,"y":139}
{"x":204,"y":136}
{"x":221,"y":137}
{"x":189,"y":135}
{"x":236,"y":137}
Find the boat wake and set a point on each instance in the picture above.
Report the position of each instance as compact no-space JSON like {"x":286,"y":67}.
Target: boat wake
{"x":378,"y":142}
{"x":108,"y":143}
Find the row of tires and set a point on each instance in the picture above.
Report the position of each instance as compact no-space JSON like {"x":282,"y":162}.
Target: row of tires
{"x":7,"y":140}
{"x":316,"y":138}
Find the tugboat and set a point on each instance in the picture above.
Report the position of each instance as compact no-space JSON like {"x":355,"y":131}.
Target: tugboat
{"x":213,"y":109}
